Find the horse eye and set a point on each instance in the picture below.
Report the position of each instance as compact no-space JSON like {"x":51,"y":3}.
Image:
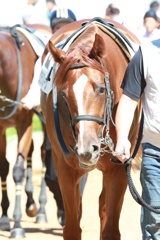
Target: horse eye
{"x":102,"y":89}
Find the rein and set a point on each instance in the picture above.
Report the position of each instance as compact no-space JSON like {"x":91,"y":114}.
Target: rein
{"x":38,"y":113}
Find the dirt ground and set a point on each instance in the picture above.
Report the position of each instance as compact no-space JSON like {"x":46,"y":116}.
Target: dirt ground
{"x":130,"y":216}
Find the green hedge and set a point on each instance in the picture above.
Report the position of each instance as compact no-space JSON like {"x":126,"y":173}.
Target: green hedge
{"x":37,"y":126}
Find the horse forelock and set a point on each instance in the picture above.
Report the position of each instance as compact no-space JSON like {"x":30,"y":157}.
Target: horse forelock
{"x":73,"y":60}
{"x":78,"y":52}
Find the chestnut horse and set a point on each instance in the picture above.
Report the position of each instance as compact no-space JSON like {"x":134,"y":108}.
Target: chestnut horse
{"x":17,"y":58}
{"x":79,"y":108}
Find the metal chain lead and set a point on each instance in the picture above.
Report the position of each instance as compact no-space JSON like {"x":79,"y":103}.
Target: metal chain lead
{"x":107,"y":145}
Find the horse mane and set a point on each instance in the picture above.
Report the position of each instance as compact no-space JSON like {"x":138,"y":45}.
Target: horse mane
{"x":80,"y":51}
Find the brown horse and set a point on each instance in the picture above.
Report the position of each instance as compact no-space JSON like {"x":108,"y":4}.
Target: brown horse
{"x":17,"y":58}
{"x":80,"y":109}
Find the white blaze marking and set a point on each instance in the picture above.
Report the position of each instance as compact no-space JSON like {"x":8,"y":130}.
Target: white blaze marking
{"x":78,"y":89}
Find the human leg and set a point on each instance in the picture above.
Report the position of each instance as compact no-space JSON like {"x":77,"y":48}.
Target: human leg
{"x":150,"y":181}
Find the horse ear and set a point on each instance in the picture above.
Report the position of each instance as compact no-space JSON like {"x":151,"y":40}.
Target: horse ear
{"x":58,"y":54}
{"x":98,"y":47}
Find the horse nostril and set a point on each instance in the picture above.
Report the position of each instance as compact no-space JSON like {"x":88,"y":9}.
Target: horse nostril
{"x":95,"y":148}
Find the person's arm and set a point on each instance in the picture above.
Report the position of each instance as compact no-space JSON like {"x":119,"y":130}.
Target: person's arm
{"x":133,"y":86}
{"x":123,"y":121}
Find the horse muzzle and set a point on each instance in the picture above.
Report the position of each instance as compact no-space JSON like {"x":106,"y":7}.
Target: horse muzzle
{"x":88,"y":159}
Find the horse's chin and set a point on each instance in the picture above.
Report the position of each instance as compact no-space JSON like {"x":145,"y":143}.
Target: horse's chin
{"x":87,"y":167}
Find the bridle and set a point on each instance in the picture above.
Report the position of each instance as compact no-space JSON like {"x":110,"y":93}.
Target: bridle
{"x":106,"y":141}
{"x":108,"y":99}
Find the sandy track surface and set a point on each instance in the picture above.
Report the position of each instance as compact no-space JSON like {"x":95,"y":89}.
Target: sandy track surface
{"x":130,"y":216}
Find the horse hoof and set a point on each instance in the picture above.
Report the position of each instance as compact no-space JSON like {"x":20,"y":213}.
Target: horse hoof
{"x":41,"y":218}
{"x":5,"y":223}
{"x":61,"y":217}
{"x":32,"y":210}
{"x":17,"y":233}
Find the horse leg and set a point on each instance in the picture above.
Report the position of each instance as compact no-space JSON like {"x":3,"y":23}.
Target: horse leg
{"x":18,"y":177}
{"x":24,"y":143}
{"x":83,"y":183}
{"x":31,"y":208}
{"x":53,"y":185}
{"x":4,"y":170}
{"x":102,"y":209}
{"x":69,"y":180}
{"x":41,"y":215}
{"x":52,"y":180}
{"x":115,"y":183}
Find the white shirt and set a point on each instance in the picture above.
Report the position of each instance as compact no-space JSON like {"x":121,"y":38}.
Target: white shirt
{"x":151,"y":95}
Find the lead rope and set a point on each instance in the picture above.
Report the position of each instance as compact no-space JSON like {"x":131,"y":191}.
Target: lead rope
{"x":127,"y":165}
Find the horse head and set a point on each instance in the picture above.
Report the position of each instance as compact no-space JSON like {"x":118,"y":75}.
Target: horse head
{"x":83,"y":81}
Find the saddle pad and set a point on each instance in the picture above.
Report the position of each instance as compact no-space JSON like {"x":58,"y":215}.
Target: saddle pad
{"x":50,"y":65}
{"x":130,"y":46}
{"x":37,"y":46}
